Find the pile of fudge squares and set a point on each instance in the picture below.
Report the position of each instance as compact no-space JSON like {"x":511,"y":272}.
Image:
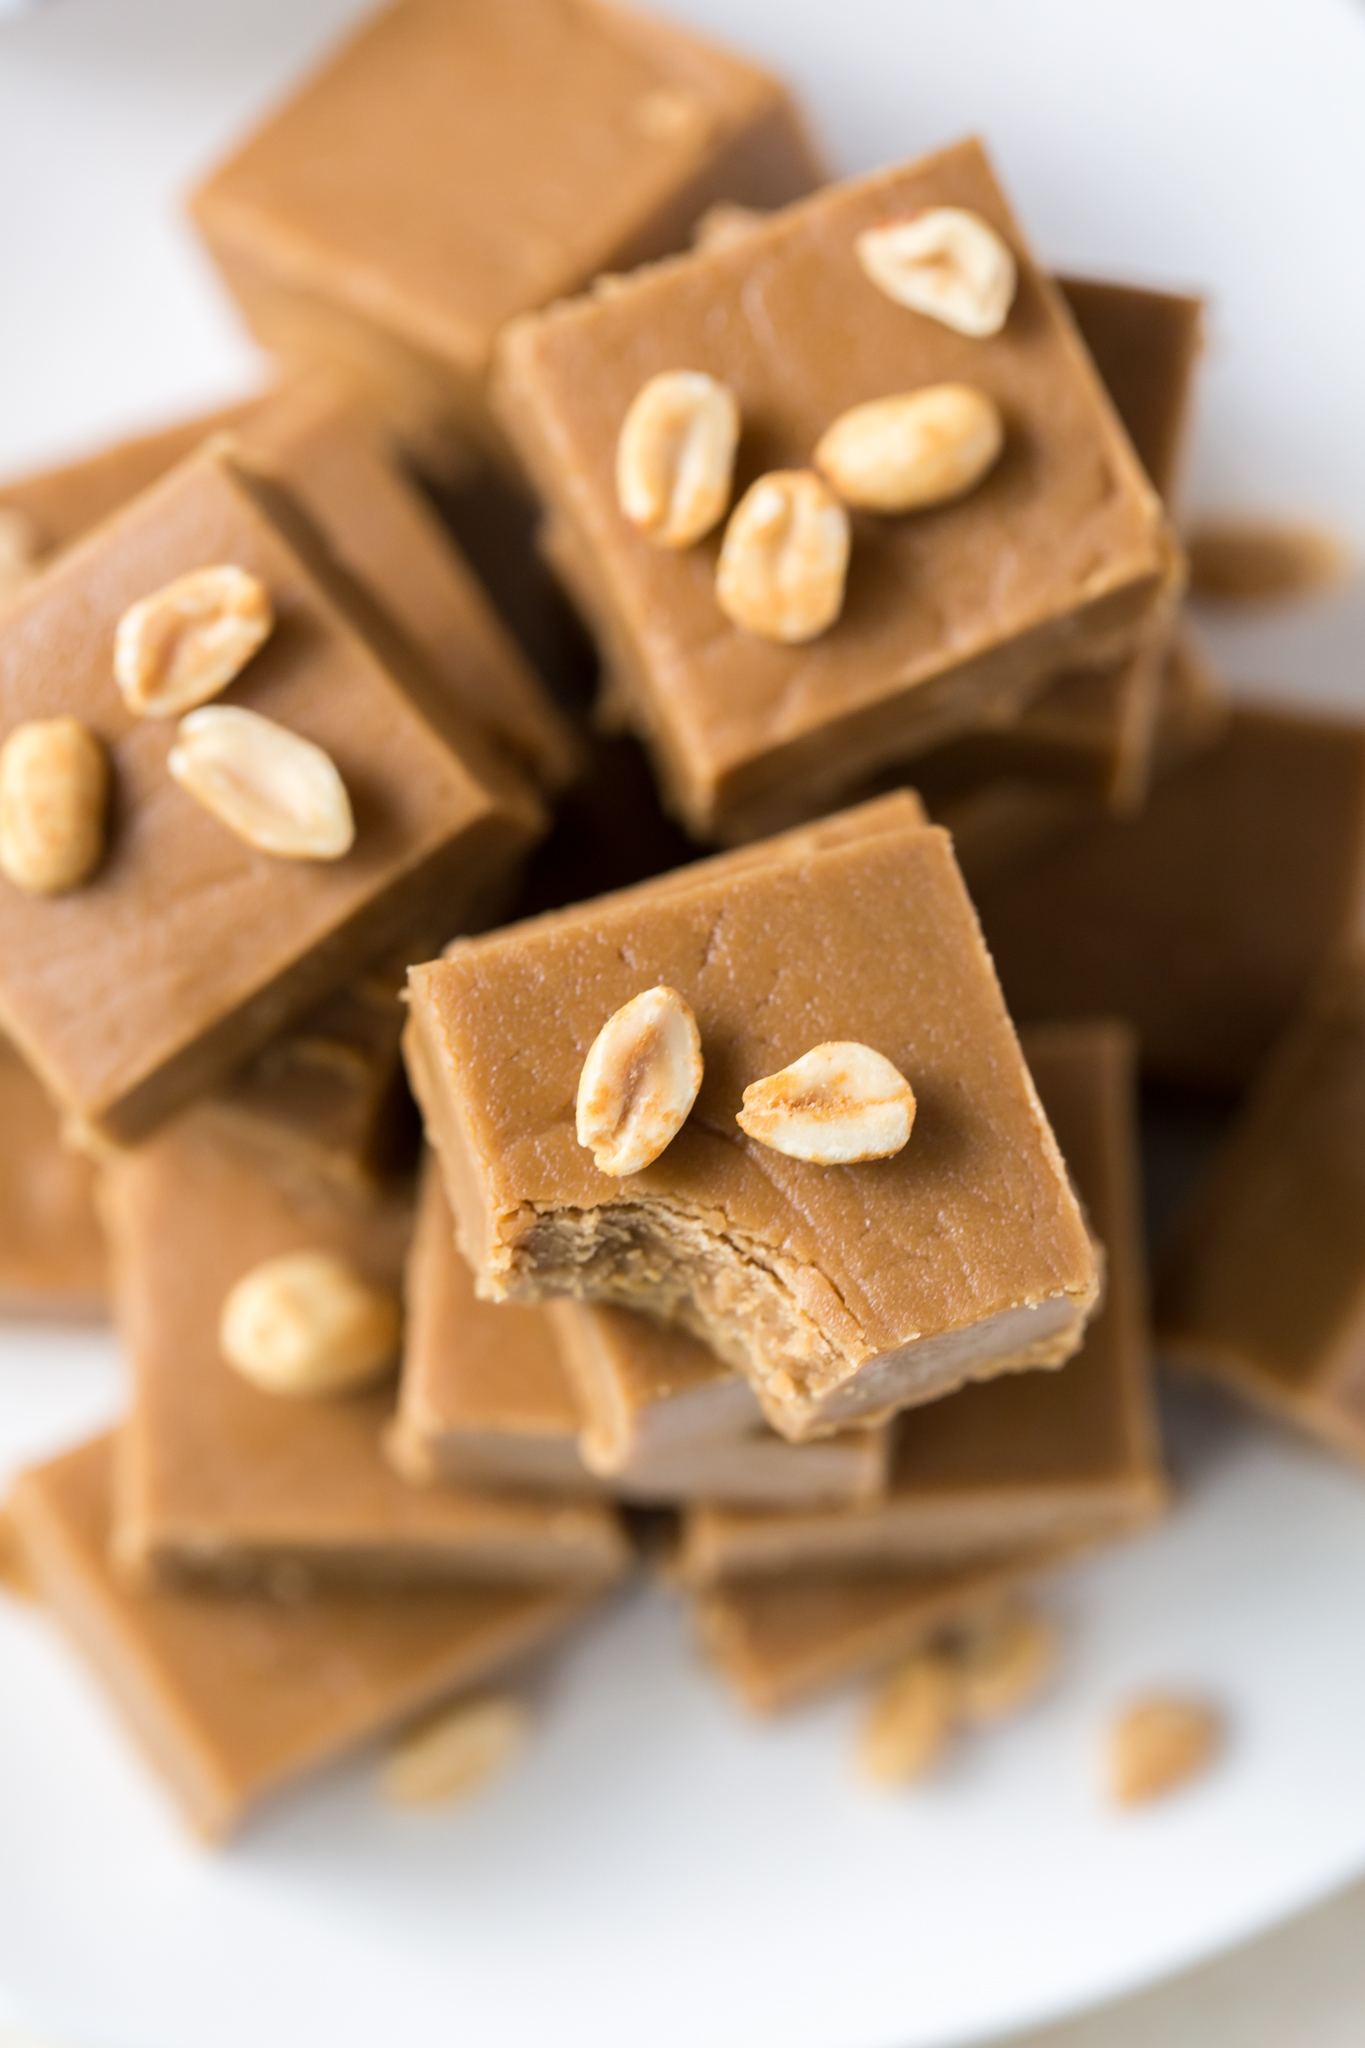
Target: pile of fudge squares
{"x":526,"y":1143}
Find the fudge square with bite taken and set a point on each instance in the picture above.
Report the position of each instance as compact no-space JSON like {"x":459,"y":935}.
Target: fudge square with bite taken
{"x":188,"y":947}
{"x":841,"y":1291}
{"x":456,"y":164}
{"x":954,"y":615}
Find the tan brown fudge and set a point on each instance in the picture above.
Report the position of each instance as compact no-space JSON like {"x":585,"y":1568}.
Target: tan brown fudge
{"x":779,"y":1642}
{"x":842,"y":1293}
{"x":484,"y":1397}
{"x":1028,"y":1460}
{"x":53,"y":1263}
{"x":1265,"y":1288}
{"x":666,"y":1421}
{"x":1097,"y":732}
{"x":325,"y":445}
{"x":189,"y":948}
{"x":220,"y":1482}
{"x":1203,"y":921}
{"x":953,"y":617}
{"x":452,"y":166}
{"x":578,"y":1397}
{"x":231,"y":1701}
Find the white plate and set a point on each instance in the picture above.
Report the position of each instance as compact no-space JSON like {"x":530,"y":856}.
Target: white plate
{"x":661,"y":1869}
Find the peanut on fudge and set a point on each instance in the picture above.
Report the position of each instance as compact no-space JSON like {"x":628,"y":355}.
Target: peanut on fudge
{"x":191,"y":945}
{"x":840,"y":1291}
{"x":955,"y":615}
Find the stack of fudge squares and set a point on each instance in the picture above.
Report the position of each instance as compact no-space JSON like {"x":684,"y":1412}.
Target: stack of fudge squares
{"x":520,"y":1149}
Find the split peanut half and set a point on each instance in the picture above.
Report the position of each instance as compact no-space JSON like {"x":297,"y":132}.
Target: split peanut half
{"x":186,"y":642}
{"x":840,"y":1103}
{"x":916,"y":449}
{"x":274,"y":789}
{"x":784,"y":560}
{"x":307,"y":1324}
{"x":945,"y":262}
{"x":675,"y":459}
{"x":639,"y":1081}
{"x":54,"y":794}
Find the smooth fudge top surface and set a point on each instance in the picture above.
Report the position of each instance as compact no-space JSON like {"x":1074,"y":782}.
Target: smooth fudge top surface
{"x":786,"y":317}
{"x":184,"y":924}
{"x":208,"y":1462}
{"x":874,"y":941}
{"x":453,"y":165}
{"x":1203,"y":920}
{"x":232,"y":1699}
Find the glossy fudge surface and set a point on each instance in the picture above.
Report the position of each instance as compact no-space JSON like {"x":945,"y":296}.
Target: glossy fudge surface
{"x":188,"y":949}
{"x":223,"y":1483}
{"x":953,"y":616}
{"x":1032,"y":1458}
{"x":665,"y":1421}
{"x":1266,"y":1286}
{"x":840,"y":1292}
{"x":53,"y":1265}
{"x":451,"y":166}
{"x":1203,"y":921}
{"x":232,"y":1700}
{"x":325,"y":444}
{"x":483,"y":1395}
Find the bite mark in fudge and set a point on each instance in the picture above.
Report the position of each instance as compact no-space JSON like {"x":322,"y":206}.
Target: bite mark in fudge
{"x":842,"y":1292}
{"x":1265,"y":1289}
{"x":1203,"y":921}
{"x":222,"y":1483}
{"x":1033,"y":1458}
{"x":450,"y":167}
{"x":188,"y":949}
{"x":230,"y":1701}
{"x":954,"y":616}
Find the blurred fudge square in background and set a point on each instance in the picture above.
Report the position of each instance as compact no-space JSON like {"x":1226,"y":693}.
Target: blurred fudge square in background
{"x":866,"y":1287}
{"x":1264,"y":1288}
{"x":452,"y":166}
{"x":189,"y":948}
{"x":1060,"y":558}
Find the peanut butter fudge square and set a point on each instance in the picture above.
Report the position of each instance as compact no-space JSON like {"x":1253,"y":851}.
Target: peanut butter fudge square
{"x":229,"y":1473}
{"x":665,"y":1421}
{"x":1265,"y":1288}
{"x":953,"y":615}
{"x":452,"y":166}
{"x":841,"y":1291}
{"x":230,"y":1701}
{"x":237,"y":863}
{"x":1204,"y":921}
{"x":53,"y":1264}
{"x":1034,"y":1458}
{"x":326,"y":445}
